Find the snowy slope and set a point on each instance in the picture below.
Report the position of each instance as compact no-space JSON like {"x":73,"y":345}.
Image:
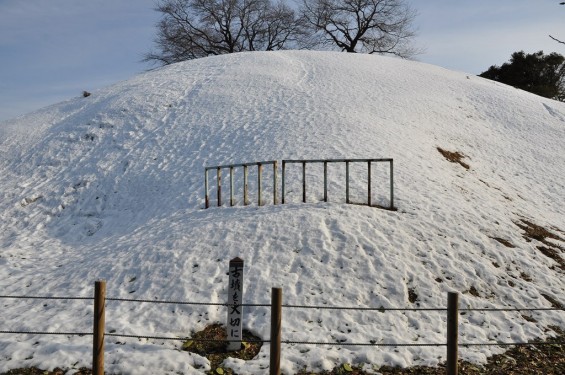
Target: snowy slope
{"x":111,"y":187}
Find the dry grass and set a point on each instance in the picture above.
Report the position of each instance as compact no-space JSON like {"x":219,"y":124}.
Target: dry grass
{"x":504,"y":242}
{"x":454,"y":157}
{"x":550,"y":249}
{"x":536,"y":232}
{"x":215,"y":351}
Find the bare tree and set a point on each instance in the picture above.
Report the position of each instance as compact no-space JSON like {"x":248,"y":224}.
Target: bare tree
{"x":192,"y":29}
{"x":284,"y":28}
{"x":369,"y":26}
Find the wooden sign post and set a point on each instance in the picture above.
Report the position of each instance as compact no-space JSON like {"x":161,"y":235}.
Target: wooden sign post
{"x":235,"y":310}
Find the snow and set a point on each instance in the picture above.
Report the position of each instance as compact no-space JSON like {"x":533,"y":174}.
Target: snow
{"x":111,"y":187}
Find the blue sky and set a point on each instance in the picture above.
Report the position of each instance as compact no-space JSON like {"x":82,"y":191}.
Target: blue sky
{"x":52,"y":50}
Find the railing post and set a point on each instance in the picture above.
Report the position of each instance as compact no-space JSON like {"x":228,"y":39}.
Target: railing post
{"x":304,"y":182}
{"x":391,"y":185}
{"x":325,"y":181}
{"x":452,"y":332}
{"x":275,"y":170}
{"x":99,"y":323}
{"x":206,"y":198}
{"x":276,"y":315}
{"x":259,"y":171}
{"x":245,"y":187}
{"x":231,"y":186}
{"x":282,"y":181}
{"x":346,"y":182}
{"x":369,"y":183}
{"x":219,"y":174}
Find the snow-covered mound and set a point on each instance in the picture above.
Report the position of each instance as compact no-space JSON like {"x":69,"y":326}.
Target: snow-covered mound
{"x":111,"y":187}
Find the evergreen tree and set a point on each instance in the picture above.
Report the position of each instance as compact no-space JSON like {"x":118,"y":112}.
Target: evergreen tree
{"x":537,"y":73}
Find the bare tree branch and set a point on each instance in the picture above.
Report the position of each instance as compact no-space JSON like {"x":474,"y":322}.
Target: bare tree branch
{"x":191,"y":29}
{"x":557,"y":40}
{"x":369,"y":26}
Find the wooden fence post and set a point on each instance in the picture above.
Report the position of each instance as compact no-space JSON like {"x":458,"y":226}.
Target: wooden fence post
{"x":276,"y":314}
{"x":99,"y":323}
{"x":452,"y":332}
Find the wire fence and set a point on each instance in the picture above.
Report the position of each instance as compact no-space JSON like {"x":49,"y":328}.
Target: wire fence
{"x":453,"y":313}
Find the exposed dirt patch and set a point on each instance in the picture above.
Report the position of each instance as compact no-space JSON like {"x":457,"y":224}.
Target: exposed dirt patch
{"x":454,"y":157}
{"x":550,"y":252}
{"x":215,"y":351}
{"x":538,"y":233}
{"x":504,"y":242}
{"x":524,"y":276}
{"x":529,"y":319}
{"x":554,"y":303}
{"x":412,"y":296}
{"x":474,"y":292}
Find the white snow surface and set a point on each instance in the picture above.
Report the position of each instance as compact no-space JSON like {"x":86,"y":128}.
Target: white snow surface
{"x":112,"y":187}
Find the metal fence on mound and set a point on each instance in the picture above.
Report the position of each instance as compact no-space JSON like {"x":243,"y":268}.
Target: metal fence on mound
{"x":452,"y":343}
{"x":245,"y":168}
{"x":304,"y":162}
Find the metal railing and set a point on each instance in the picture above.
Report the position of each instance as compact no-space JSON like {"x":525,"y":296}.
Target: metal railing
{"x":274,"y":163}
{"x":231,"y":168}
{"x":347,"y":177}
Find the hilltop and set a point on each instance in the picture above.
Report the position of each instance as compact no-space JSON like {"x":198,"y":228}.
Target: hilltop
{"x":111,"y":187}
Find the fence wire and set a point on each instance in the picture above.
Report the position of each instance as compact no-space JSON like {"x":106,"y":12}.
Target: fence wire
{"x":516,"y":309}
{"x":139,"y":300}
{"x":187,"y":302}
{"x":356,"y":343}
{"x":291,"y":306}
{"x":48,"y":333}
{"x":291,"y":342}
{"x":557,"y":343}
{"x":48,"y":297}
{"x":380,"y":309}
{"x":165,"y":338}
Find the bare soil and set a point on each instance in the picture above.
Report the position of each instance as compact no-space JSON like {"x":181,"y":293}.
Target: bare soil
{"x":454,"y":157}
